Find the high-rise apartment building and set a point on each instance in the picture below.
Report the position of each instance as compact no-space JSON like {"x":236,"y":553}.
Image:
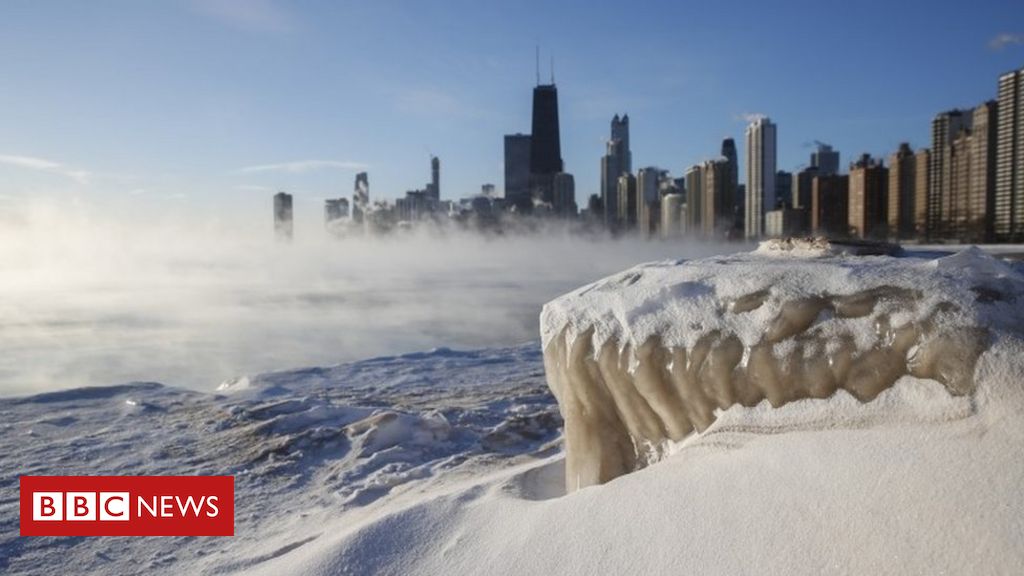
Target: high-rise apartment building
{"x":1008,"y":209}
{"x":761,"y":156}
{"x":942,"y":203}
{"x":830,"y":205}
{"x":922,"y":161}
{"x":868,"y":198}
{"x":902,"y":191}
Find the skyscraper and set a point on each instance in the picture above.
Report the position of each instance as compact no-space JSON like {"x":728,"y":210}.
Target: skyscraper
{"x":869,"y":185}
{"x":830,"y":205}
{"x":784,"y":188}
{"x":802,"y":187}
{"x":545,"y":143}
{"x":902,"y":189}
{"x":671,"y":215}
{"x":335,"y":209}
{"x":627,"y":201}
{"x":922,"y":160}
{"x":648,"y":201}
{"x":283,"y":223}
{"x":517,"y":170}
{"x":620,"y":132}
{"x":694,"y":178}
{"x":941,"y":202}
{"x":434,"y":188}
{"x":761,"y":137}
{"x":716,"y":203}
{"x":564,"y":200}
{"x":617,"y":159}
{"x":361,"y":198}
{"x":981,"y":177}
{"x":825,"y":159}
{"x":1009,"y":182}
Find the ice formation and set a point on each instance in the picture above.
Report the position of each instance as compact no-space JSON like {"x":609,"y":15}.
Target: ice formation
{"x":641,"y":359}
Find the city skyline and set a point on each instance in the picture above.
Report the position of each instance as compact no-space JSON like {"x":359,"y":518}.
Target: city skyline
{"x":246,"y":135}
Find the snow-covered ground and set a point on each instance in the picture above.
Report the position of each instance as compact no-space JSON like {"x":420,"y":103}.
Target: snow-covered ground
{"x":451,"y":462}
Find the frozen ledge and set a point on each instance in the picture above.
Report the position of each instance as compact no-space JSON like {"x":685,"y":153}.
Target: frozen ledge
{"x":643,"y":358}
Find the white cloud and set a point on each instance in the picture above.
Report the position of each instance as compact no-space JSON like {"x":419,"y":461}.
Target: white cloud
{"x":302,"y":166}
{"x":250,"y":15}
{"x":1003,"y":40}
{"x":44,"y":165}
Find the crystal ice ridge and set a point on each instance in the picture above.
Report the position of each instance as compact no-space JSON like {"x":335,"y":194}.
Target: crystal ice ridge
{"x":643,"y":358}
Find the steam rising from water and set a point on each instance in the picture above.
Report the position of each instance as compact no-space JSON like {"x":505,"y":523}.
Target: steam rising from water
{"x":88,"y":298}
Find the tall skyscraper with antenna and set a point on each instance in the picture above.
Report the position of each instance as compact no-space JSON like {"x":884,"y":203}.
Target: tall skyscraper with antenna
{"x":545,"y":143}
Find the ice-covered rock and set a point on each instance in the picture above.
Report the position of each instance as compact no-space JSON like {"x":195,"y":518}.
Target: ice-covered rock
{"x":642,"y":359}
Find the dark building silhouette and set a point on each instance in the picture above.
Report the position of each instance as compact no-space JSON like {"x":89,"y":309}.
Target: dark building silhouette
{"x":802,"y":182}
{"x":783,"y":189}
{"x":545,"y":143}
{"x":335,"y":209}
{"x":517,"y":170}
{"x":361,"y":197}
{"x":434,"y":188}
{"x":564,"y":195}
{"x":283,"y":223}
{"x":829,"y":205}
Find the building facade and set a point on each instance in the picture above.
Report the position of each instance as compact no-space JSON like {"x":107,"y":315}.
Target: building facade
{"x":517,"y":170}
{"x":868,"y":198}
{"x":761,"y":160}
{"x":902,"y":192}
{"x":1008,"y":209}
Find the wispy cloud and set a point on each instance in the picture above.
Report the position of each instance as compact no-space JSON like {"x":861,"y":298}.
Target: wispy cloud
{"x":44,"y":165}
{"x":265,"y":16}
{"x":1003,"y":40}
{"x":749,"y":116}
{"x":302,"y":166}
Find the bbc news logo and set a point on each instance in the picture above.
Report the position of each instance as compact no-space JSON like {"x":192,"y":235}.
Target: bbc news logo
{"x":127,"y":506}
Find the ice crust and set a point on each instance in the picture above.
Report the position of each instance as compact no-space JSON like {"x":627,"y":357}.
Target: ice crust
{"x":641,"y":359}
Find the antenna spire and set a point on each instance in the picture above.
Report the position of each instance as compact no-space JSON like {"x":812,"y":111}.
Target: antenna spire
{"x":538,"y":64}
{"x":552,"y":69}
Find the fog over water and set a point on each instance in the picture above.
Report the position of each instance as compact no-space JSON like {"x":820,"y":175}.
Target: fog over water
{"x":88,"y":298}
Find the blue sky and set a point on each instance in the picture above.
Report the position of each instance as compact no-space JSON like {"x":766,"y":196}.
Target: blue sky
{"x":214,"y":103}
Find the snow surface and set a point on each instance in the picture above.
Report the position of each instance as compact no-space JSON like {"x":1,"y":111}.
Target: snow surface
{"x":450,"y":462}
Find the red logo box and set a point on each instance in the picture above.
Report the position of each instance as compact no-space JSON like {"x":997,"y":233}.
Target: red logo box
{"x":127,"y":506}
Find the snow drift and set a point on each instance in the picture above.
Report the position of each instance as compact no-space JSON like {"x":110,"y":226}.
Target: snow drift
{"x":641,"y":359}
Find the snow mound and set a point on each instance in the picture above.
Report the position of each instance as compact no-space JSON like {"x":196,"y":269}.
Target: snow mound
{"x":639,"y":360}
